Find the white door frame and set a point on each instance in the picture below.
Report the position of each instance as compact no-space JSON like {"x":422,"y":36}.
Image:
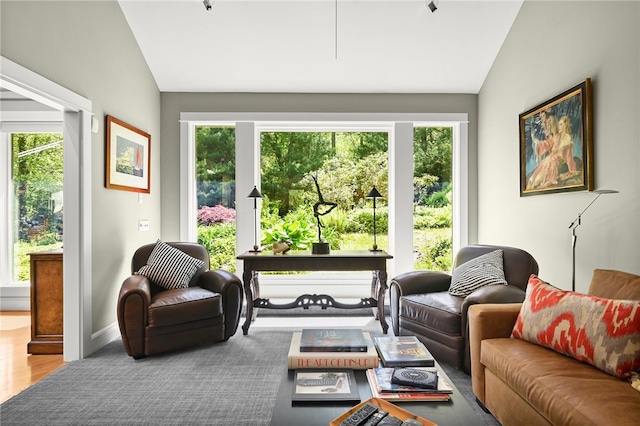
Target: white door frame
{"x":77,"y":198}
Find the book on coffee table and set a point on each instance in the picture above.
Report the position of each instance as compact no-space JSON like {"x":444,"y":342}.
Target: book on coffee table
{"x":382,"y":379}
{"x":325,"y":385}
{"x":403,"y":351}
{"x":351,"y":360}
{"x":332,"y":340}
{"x":407,"y":396}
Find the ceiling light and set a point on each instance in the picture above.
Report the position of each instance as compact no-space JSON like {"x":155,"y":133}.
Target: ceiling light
{"x":432,"y":5}
{"x":207,"y":4}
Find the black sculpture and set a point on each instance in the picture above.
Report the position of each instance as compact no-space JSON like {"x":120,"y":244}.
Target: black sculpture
{"x":321,"y":208}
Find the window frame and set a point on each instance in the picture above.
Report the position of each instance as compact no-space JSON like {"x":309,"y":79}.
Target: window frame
{"x":6,"y":192}
{"x":400,"y":127}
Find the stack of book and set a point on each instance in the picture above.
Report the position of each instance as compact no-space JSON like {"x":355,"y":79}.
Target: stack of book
{"x":382,"y":387}
{"x":406,"y":355}
{"x":332,"y":348}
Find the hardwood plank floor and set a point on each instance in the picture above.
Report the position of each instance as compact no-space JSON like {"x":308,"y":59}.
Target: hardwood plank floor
{"x":18,"y":369}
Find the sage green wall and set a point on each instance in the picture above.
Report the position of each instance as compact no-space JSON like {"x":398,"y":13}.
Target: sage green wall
{"x":551,"y":47}
{"x":175,"y":103}
{"x":88,"y":48}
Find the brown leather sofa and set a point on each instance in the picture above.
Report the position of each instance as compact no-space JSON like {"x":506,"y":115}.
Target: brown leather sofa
{"x":154,"y":320}
{"x":421,"y":305}
{"x":522,"y":383}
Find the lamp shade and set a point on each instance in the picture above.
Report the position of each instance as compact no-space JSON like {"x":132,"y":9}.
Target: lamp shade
{"x":255,"y":193}
{"x":374,"y":193}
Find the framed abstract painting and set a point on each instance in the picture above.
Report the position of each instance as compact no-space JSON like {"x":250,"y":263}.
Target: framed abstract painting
{"x":556,"y":144}
{"x":128,"y":157}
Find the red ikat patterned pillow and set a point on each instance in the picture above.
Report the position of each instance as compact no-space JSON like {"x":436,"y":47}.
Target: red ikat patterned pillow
{"x":602,"y":332}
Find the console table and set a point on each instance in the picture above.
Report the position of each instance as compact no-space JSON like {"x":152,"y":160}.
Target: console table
{"x":339,"y":260}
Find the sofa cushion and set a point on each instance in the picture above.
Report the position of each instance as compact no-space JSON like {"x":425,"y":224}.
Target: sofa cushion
{"x":476,"y":273}
{"x":615,"y":285}
{"x":438,"y":311}
{"x":169,"y":267}
{"x":180,"y":306}
{"x":602,"y":332}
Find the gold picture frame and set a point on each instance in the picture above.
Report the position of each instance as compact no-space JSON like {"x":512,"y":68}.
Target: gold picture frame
{"x":128,"y":157}
{"x":556,"y":144}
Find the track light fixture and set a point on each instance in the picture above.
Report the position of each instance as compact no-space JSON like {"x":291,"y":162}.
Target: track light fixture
{"x":207,"y":4}
{"x":432,"y":5}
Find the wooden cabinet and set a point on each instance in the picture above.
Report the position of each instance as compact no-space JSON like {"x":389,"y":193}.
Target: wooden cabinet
{"x":46,"y":303}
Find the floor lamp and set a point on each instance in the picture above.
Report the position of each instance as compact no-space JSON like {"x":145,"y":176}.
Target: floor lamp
{"x":255,"y":194}
{"x":577,"y":222}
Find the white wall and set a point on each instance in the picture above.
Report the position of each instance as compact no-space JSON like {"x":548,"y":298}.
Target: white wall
{"x":551,"y":47}
{"x":88,"y":48}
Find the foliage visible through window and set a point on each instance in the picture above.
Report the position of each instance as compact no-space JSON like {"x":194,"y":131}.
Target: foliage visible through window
{"x":37,"y":210}
{"x":433,"y":209}
{"x":346,"y":166}
{"x":216,"y":191}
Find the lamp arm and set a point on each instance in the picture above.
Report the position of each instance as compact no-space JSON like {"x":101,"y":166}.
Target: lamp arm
{"x":576,"y":222}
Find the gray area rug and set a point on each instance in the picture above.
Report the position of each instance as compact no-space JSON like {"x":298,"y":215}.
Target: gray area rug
{"x":230,"y":383}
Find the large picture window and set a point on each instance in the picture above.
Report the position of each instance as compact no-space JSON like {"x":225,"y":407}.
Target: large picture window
{"x":421,"y":216}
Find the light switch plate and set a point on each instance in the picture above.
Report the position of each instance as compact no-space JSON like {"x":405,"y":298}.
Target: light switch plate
{"x":143,"y":225}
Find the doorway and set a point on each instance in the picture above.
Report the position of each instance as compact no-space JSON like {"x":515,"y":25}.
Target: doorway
{"x":75,"y":112}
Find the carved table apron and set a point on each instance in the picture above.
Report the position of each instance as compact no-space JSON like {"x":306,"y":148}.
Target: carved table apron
{"x":339,"y":260}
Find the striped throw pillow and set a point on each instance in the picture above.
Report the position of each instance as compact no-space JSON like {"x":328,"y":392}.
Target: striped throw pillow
{"x":476,"y":273}
{"x":169,"y":267}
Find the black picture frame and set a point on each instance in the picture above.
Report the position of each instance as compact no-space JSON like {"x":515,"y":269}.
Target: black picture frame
{"x":343,"y":386}
{"x":556,"y":143}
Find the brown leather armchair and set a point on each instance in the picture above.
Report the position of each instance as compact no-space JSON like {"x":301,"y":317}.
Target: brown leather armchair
{"x":421,"y":305}
{"x":153,"y":319}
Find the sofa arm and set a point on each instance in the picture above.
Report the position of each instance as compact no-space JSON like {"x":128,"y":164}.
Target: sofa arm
{"x":414,"y":282}
{"x":488,"y":321}
{"x":489,"y":295}
{"x":133,"y":304}
{"x":230,"y":287}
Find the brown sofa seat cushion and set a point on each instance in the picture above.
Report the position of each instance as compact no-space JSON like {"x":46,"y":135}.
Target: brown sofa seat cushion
{"x":563,"y":390}
{"x":170,"y":307}
{"x":439,"y":311}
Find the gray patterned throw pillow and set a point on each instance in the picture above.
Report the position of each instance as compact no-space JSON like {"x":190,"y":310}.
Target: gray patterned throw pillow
{"x":476,"y":273}
{"x":169,"y":267}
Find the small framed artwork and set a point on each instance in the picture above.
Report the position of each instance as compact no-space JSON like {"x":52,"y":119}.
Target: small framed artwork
{"x":128,"y":157}
{"x":325,"y":385}
{"x":556,"y":144}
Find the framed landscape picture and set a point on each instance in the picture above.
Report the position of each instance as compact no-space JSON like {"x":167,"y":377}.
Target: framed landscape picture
{"x":556,"y":144}
{"x":324,"y":385}
{"x":128,"y":157}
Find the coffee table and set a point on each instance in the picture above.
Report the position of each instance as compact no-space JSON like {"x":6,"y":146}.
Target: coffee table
{"x":454,"y":412}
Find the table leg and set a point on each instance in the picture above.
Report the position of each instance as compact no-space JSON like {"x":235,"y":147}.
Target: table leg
{"x":247,"y":278}
{"x":374,"y":290}
{"x":382,"y":289}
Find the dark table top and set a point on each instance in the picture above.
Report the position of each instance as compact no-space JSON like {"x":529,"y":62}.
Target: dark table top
{"x":455,"y":412}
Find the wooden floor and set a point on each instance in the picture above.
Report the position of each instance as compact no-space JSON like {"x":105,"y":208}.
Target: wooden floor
{"x":18,"y":369}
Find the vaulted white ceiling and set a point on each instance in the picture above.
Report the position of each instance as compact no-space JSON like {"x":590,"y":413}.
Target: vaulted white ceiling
{"x":320,"y":46}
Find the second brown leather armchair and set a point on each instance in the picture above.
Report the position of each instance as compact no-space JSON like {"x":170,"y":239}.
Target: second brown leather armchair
{"x":422,"y":306}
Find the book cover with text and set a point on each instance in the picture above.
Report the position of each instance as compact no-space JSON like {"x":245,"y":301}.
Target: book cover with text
{"x":403,"y":351}
{"x":332,"y":340}
{"x":353,"y":360}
